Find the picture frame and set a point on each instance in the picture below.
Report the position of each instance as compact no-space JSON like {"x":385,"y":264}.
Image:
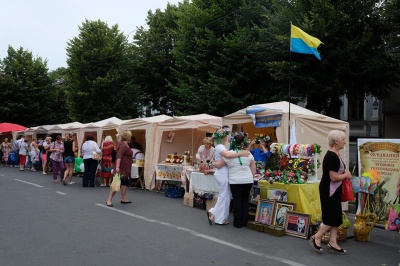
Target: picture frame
{"x":170,"y":137}
{"x":265,"y":211}
{"x":297,"y":224}
{"x":281,"y":208}
{"x":277,"y":194}
{"x":255,"y":194}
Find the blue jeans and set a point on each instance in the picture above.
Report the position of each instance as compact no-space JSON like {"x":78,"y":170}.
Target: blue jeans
{"x":89,"y":173}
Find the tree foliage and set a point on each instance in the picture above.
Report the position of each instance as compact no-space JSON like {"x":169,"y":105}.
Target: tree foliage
{"x":230,"y":54}
{"x":100,"y":83}
{"x":27,"y":96}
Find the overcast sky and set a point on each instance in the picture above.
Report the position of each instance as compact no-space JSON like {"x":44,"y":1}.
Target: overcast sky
{"x":45,"y":26}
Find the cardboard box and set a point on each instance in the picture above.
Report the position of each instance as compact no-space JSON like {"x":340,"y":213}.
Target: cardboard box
{"x":188,"y":199}
{"x":255,"y":226}
{"x":275,"y":231}
{"x":211,"y":203}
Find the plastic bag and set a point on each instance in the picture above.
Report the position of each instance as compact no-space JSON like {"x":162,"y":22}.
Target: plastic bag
{"x":347,"y":191}
{"x":116,"y":183}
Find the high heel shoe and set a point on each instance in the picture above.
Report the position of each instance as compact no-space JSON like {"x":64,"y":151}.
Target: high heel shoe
{"x":335,"y":251}
{"x":314,"y":245}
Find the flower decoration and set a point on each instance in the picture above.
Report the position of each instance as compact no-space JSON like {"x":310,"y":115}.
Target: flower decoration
{"x":296,"y":149}
{"x":262,"y":137}
{"x":221,"y":133}
{"x":240,"y":146}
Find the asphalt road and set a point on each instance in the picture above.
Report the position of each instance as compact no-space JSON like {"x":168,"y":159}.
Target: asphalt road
{"x":46,"y":223}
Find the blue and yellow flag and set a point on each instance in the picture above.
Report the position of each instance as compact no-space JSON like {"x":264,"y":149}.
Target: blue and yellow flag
{"x":301,"y":42}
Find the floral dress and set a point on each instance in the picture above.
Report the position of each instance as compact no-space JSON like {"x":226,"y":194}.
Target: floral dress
{"x":6,"y":148}
{"x":106,"y":160}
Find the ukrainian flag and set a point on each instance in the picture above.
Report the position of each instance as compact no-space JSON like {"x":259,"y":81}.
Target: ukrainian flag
{"x":301,"y":42}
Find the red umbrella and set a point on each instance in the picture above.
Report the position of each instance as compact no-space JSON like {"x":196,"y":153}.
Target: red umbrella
{"x":8,"y":127}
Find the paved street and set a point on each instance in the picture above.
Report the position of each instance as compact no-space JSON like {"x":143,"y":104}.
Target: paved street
{"x":46,"y":223}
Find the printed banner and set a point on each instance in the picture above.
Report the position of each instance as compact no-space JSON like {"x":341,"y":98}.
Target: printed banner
{"x":383,"y":156}
{"x":268,"y":121}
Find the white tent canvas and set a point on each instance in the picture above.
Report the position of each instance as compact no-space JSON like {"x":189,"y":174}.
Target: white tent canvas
{"x":189,"y":134}
{"x":306,"y":126}
{"x":146,"y":128}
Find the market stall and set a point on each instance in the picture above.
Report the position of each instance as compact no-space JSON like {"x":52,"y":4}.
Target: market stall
{"x":296,"y":129}
{"x":305,"y":126}
{"x":179,"y":135}
{"x":143,"y":129}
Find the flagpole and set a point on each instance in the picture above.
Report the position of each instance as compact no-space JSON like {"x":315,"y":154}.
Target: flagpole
{"x":290,"y":66}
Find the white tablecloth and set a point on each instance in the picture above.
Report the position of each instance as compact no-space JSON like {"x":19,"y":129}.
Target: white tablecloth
{"x":201,"y":183}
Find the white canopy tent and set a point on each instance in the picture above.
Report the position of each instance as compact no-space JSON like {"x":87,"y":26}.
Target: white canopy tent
{"x":64,"y":128}
{"x":306,"y":126}
{"x":98,"y":127}
{"x":143,"y":129}
{"x":189,"y":134}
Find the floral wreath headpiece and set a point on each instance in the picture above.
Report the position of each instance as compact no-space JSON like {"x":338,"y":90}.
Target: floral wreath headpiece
{"x":261,"y":137}
{"x":243,"y":144}
{"x":221,"y":133}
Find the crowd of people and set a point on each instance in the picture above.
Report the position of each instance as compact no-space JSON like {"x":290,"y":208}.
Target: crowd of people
{"x":58,"y":156}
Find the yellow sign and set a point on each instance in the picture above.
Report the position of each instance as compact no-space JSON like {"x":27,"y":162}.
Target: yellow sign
{"x":383,"y":156}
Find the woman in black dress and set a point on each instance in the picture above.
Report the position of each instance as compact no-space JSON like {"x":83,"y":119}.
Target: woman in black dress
{"x":330,"y":192}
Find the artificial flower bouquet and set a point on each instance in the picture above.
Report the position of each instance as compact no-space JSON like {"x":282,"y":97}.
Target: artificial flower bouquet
{"x":296,"y":164}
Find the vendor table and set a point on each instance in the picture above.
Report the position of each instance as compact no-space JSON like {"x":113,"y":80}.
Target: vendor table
{"x":169,"y":172}
{"x":201,"y":183}
{"x":137,"y":172}
{"x":306,"y":196}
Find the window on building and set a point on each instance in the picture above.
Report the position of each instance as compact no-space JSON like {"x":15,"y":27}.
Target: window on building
{"x":356,"y":108}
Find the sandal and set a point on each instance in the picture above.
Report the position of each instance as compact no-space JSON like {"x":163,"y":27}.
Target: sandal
{"x":314,"y":245}
{"x":210,"y":217}
{"x":335,"y":251}
{"x":102,"y":185}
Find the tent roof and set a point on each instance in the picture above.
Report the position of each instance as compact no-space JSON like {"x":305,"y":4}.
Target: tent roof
{"x":61,"y":127}
{"x":275,"y":108}
{"x":140,"y":123}
{"x":108,"y":123}
{"x":201,"y":121}
{"x":44,"y":129}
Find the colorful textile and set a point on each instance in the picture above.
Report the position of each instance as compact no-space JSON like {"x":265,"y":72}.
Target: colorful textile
{"x":56,"y":155}
{"x":301,"y":42}
{"x":106,"y":161}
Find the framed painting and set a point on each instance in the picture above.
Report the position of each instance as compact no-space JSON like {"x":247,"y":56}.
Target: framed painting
{"x":265,"y":211}
{"x":277,"y":194}
{"x":281,"y":208}
{"x":297,"y":224}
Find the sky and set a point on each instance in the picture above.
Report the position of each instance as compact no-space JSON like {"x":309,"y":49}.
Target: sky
{"x":44,"y":27}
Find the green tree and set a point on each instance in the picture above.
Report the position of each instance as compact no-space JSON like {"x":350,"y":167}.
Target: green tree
{"x":354,"y":62}
{"x":59,"y":79}
{"x":154,"y":58}
{"x":220,"y":57}
{"x":26,"y":89}
{"x":100,"y":80}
